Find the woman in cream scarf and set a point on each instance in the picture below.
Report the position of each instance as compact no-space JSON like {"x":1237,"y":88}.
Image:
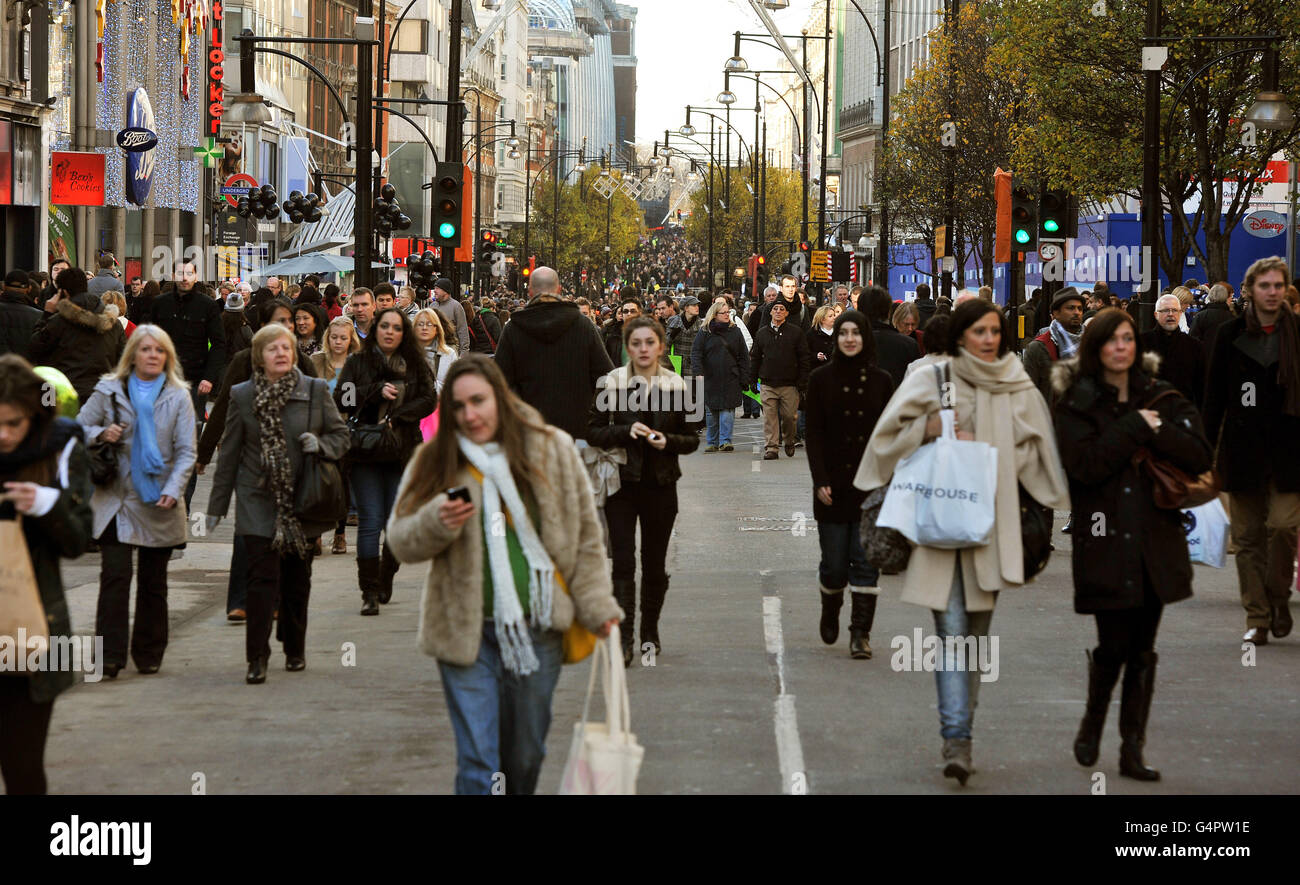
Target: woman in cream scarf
{"x":996,"y":403}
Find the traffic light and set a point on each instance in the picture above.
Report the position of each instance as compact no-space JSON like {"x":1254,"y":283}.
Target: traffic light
{"x":486,"y":249}
{"x":260,"y":203}
{"x":302,"y":207}
{"x":388,"y":213}
{"x":1058,"y":216}
{"x":448,"y":187}
{"x":527,"y":270}
{"x":1024,"y":219}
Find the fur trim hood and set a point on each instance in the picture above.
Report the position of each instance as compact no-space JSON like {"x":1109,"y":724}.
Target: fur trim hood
{"x":79,"y":316}
{"x":1066,"y":372}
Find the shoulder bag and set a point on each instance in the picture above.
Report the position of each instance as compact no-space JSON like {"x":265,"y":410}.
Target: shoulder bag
{"x":1171,"y":486}
{"x":104,"y":455}
{"x":373,"y":442}
{"x":321,"y":497}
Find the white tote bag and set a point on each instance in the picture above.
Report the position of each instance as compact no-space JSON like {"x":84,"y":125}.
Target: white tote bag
{"x":942,"y":495}
{"x":1207,"y":534}
{"x":604,"y":757}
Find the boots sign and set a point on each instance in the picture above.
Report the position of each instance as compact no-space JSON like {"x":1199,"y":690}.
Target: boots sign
{"x":139,"y":144}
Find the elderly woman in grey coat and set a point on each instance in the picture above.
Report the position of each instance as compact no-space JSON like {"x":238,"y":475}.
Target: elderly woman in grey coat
{"x":144,"y":408}
{"x":276,"y":418}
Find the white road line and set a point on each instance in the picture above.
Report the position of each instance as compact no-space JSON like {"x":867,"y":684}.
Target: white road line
{"x":788,"y":750}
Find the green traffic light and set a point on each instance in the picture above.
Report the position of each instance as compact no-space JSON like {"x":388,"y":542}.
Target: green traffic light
{"x":1051,"y":225}
{"x":447,"y":230}
{"x":1022,"y":236}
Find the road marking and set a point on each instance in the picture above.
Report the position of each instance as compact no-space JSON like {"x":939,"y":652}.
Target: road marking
{"x":788,"y":750}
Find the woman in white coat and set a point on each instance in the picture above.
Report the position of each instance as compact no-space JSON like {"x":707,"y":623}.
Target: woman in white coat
{"x":143,"y":406}
{"x":996,"y":403}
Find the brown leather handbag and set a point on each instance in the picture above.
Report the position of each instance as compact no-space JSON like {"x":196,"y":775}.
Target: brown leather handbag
{"x":1172,"y":487}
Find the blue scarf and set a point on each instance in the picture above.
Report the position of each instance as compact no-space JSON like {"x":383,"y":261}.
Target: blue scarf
{"x":146,"y":461}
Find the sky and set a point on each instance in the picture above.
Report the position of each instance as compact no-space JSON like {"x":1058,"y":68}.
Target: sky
{"x":681,"y":46}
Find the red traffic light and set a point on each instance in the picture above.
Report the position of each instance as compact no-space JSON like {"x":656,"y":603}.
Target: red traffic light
{"x":762,"y":259}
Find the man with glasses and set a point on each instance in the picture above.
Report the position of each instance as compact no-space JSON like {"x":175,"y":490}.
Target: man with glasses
{"x":1182,"y":356}
{"x":613,"y":330}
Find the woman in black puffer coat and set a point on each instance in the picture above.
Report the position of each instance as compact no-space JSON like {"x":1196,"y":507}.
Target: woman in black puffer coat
{"x":387,"y":381}
{"x":1130,"y":556}
{"x":844,"y":401}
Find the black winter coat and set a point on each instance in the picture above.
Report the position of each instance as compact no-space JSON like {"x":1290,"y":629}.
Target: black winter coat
{"x":611,"y":335}
{"x":724,"y":364}
{"x":62,"y":533}
{"x":894,"y":350}
{"x":1208,"y":320}
{"x":1258,"y":442}
{"x":369,"y":371}
{"x":845,"y":399}
{"x":1182,"y":361}
{"x":552,"y":356}
{"x":78,"y":342}
{"x":926,"y":309}
{"x":194,"y":323}
{"x":820,"y":342}
{"x":779,"y":357}
{"x":1118,"y":530}
{"x":611,"y":428}
{"x":18,"y":319}
{"x":484,"y":330}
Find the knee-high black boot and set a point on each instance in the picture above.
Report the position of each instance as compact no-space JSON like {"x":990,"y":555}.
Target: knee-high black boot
{"x":1103,"y":673}
{"x":1134,"y":708}
{"x":388,"y":566}
{"x":625,"y":596}
{"x":832,"y":602}
{"x":653,"y":591}
{"x":861,"y":616}
{"x":368,"y":578}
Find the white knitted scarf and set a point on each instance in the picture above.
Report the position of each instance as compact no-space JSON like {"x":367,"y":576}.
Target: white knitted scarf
{"x":512,"y":629}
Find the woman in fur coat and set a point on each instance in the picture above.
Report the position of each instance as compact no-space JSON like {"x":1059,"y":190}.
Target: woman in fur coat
{"x":500,"y":592}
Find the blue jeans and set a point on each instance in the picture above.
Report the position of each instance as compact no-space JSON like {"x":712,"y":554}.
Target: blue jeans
{"x":374,"y":491}
{"x":500,"y":720}
{"x":958,"y":686}
{"x":718,"y":425}
{"x":843,"y":560}
{"x":801,"y":425}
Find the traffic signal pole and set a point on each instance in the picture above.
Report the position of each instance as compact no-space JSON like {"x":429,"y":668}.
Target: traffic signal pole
{"x":455,"y":133}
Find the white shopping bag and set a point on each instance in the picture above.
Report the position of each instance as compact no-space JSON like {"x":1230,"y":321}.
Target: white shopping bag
{"x":942,"y":494}
{"x":1207,"y":534}
{"x":604,"y":757}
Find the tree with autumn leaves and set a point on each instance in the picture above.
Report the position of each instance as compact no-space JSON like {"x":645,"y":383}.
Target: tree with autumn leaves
{"x":1053,"y":89}
{"x":732,"y":213}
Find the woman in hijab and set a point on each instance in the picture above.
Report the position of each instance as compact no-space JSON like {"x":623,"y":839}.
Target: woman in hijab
{"x":844,"y":401}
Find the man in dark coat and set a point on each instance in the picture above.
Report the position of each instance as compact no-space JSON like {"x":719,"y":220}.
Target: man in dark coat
{"x":612,"y":332}
{"x":1252,"y":395}
{"x":779,"y":360}
{"x":1182,"y":356}
{"x":1215,"y":313}
{"x":924,"y":304}
{"x":18,"y":316}
{"x":75,"y":336}
{"x":1058,"y":341}
{"x":552,"y":356}
{"x":894,"y":350}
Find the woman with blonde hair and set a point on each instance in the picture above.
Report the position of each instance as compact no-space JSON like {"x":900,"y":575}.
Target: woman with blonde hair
{"x":144,"y":408}
{"x":276,"y":418}
{"x":499,"y":597}
{"x":341,"y":341}
{"x":431,"y":334}
{"x":821,"y":335}
{"x":115,"y":305}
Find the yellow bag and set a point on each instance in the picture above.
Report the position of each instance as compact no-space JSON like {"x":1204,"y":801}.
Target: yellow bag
{"x":579,"y":642}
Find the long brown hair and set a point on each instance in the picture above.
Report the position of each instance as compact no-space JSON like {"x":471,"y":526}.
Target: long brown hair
{"x":28,"y":392}
{"x":1100,"y":329}
{"x":439,"y":460}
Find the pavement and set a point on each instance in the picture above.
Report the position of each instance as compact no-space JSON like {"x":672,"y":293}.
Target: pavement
{"x":744,"y":699}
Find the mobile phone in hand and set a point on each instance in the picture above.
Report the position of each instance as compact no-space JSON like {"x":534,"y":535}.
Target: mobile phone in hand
{"x":459,"y":493}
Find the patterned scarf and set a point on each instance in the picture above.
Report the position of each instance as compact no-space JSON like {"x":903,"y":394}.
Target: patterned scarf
{"x":1067,"y":343}
{"x":269,"y":399}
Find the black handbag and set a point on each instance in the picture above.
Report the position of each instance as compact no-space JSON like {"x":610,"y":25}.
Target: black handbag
{"x":320,"y":497}
{"x":1035,"y":534}
{"x":104,"y":456}
{"x":374,"y":442}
